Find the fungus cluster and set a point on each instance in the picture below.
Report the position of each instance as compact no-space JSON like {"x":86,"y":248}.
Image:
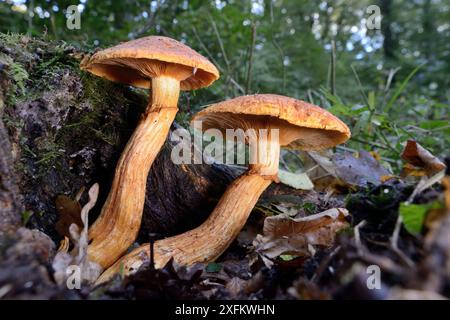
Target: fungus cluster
{"x":270,"y":121}
{"x":297,"y":124}
{"x":166,"y":66}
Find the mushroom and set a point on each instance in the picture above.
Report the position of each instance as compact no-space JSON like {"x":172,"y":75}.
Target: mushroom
{"x":300,"y":126}
{"x":166,"y":66}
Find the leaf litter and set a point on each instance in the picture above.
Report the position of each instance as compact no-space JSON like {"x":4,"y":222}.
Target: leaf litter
{"x":88,"y":270}
{"x":316,"y":246}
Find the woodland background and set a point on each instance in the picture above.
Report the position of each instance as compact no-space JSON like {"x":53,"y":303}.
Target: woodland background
{"x":389,"y":85}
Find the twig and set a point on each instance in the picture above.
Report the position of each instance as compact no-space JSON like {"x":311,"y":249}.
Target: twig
{"x":310,"y":97}
{"x":392,"y":73}
{"x":211,"y":57}
{"x":370,"y":143}
{"x":285,"y":166}
{"x":152,"y":238}
{"x":219,"y":40}
{"x":359,"y":244}
{"x":149,"y":23}
{"x":312,"y":168}
{"x":386,"y":141}
{"x":396,"y":233}
{"x":277,"y":46}
{"x":237,"y":85}
{"x":296,"y":155}
{"x":360,"y":86}
{"x":325,"y":262}
{"x":394,"y":243}
{"x":425,"y":183}
{"x":250,"y":60}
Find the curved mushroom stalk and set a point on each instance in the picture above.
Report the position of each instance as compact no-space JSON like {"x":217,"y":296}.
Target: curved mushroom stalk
{"x":122,"y":212}
{"x":206,"y":242}
{"x":285,"y":122}
{"x":167,"y":66}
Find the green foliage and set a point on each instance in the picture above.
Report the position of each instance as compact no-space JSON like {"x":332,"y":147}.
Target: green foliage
{"x":287,"y":257}
{"x":413,"y":215}
{"x":26,"y":215}
{"x":309,"y":207}
{"x":295,"y":180}
{"x":19,"y":77}
{"x":388,"y":85}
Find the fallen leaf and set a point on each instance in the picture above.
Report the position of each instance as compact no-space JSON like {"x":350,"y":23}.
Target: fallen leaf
{"x":438,"y":221}
{"x":235,"y":286}
{"x":323,"y":173}
{"x":418,"y":156}
{"x":283,"y":235}
{"x":295,"y":180}
{"x":361,"y":170}
{"x":323,"y":159}
{"x":69,"y":212}
{"x":425,"y":183}
{"x":287,"y":209}
{"x":307,"y":290}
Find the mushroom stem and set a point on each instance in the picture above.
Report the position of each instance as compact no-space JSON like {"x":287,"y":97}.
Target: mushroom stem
{"x":118,"y":224}
{"x":208,"y":241}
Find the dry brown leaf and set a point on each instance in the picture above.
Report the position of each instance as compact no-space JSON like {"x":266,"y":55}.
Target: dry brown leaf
{"x":446,"y":184}
{"x":69,"y":212}
{"x":409,"y":170}
{"x":436,"y":218}
{"x":284,"y":235}
{"x":418,"y":156}
{"x":360,"y":170}
{"x":235,"y":286}
{"x":338,"y":170}
{"x":64,"y":245}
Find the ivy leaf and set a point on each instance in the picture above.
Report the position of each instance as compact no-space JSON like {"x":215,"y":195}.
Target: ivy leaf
{"x":413,"y":215}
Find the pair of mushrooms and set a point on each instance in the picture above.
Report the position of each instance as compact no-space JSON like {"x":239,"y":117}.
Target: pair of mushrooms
{"x":172,"y":66}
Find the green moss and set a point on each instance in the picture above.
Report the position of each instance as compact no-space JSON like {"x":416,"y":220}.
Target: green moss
{"x":33,"y":64}
{"x":18,"y":76}
{"x":11,"y":39}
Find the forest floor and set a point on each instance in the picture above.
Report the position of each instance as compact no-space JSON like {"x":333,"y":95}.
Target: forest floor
{"x":370,"y":233}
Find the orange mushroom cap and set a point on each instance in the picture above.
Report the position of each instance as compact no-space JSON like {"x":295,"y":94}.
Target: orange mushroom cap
{"x":302,"y":125}
{"x":136,"y":62}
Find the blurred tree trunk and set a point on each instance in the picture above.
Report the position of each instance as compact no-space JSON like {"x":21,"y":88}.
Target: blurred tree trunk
{"x":428,"y":29}
{"x":389,"y":42}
